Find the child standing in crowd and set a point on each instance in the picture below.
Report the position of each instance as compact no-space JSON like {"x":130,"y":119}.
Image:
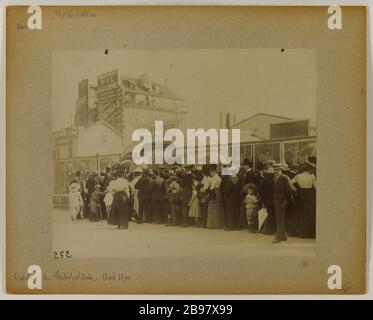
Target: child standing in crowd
{"x":194,"y":206}
{"x":94,"y":204}
{"x":75,"y":199}
{"x":252,"y":206}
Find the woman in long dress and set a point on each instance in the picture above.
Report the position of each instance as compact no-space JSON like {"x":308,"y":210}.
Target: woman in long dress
{"x":120,"y":208}
{"x":194,"y":205}
{"x":306,"y":203}
{"x":135,"y":193}
{"x":204,"y":196}
{"x":215,"y":205}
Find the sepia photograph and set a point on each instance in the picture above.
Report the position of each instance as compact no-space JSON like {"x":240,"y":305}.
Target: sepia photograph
{"x":99,"y":98}
{"x":186,"y":150}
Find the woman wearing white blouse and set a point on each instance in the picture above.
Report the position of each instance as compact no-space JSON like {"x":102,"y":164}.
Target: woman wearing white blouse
{"x":214,"y":209}
{"x":306,"y":204}
{"x":120,"y":206}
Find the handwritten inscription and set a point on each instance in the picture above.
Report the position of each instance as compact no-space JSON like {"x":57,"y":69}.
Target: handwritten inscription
{"x":76,"y":276}
{"x":72,"y":15}
{"x":113,"y":276}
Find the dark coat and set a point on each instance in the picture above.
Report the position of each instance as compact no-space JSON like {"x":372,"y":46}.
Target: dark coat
{"x":144,"y":185}
{"x":186,"y":184}
{"x":158,"y":189}
{"x":90,"y":185}
{"x":266,"y":189}
{"x":282,"y":188}
{"x":232,"y":192}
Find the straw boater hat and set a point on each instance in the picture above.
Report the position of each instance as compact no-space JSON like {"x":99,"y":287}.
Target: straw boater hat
{"x":277,"y":167}
{"x":270,"y":162}
{"x":285,"y":167}
{"x":138,"y":170}
{"x":251,"y":186}
{"x":270,"y":169}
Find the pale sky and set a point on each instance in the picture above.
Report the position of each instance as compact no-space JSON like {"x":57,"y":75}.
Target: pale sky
{"x":241,"y":81}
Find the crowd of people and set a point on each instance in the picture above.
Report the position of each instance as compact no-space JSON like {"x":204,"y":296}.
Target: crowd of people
{"x":275,"y":199}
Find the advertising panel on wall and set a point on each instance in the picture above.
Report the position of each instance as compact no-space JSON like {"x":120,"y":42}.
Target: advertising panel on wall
{"x":292,"y":151}
{"x":109,"y":99}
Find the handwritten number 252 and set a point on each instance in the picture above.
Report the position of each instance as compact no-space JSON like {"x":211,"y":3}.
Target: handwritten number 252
{"x":62,"y":254}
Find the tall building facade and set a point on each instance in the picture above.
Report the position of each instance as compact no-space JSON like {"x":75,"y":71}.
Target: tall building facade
{"x":127,"y":103}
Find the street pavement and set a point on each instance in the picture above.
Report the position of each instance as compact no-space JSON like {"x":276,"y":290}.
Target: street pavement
{"x":86,"y":239}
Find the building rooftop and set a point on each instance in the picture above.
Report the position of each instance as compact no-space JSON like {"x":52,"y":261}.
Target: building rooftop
{"x":75,"y":131}
{"x":262,"y":114}
{"x":144,"y":85}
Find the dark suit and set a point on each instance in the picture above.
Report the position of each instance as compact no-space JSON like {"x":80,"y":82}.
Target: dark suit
{"x":186,"y":185}
{"x":232,"y":199}
{"x":144,"y":185}
{"x":266,"y":194}
{"x":158,"y":194}
{"x":282,"y":190}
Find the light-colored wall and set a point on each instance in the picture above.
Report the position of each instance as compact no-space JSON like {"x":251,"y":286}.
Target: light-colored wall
{"x":98,"y":139}
{"x":140,"y":118}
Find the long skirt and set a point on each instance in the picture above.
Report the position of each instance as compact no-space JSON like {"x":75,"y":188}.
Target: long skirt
{"x":232,"y":213}
{"x":119,"y":211}
{"x":306,"y":207}
{"x":175,"y":208}
{"x":85,"y":212}
{"x":269,"y":227}
{"x":194,"y":209}
{"x":204,"y":209}
{"x":214,"y":211}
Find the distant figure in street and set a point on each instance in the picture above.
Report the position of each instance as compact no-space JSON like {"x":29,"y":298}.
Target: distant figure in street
{"x":282,"y":189}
